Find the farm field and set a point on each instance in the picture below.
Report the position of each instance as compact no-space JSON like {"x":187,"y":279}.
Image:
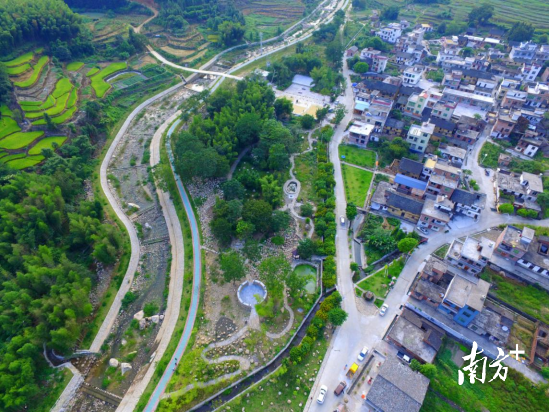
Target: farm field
{"x":19,"y":140}
{"x":99,"y":84}
{"x":47,"y":143}
{"x":23,"y":163}
{"x":356,"y":184}
{"x":36,"y":71}
{"x":8,"y":126}
{"x":17,"y":70}
{"x":25,"y":58}
{"x":74,"y":66}
{"x":507,"y":13}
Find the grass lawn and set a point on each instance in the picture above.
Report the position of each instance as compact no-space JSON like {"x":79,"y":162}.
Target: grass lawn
{"x":25,"y":58}
{"x":378,"y":282}
{"x":516,"y":393}
{"x":296,"y":376}
{"x":19,"y":139}
{"x":356,"y":183}
{"x":25,"y":162}
{"x":357,"y":156}
{"x":37,"y":70}
{"x":47,"y":143}
{"x":99,"y":85}
{"x":492,"y":151}
{"x":8,"y":126}
{"x":261,"y":63}
{"x":529,"y":299}
{"x":14,"y":71}
{"x":74,"y":66}
{"x":305,"y":170}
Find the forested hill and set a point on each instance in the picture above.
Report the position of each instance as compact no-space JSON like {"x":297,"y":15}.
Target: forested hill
{"x":43,"y":21}
{"x":97,"y":4}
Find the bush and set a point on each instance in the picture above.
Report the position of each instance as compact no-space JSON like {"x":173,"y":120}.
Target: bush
{"x":307,"y":121}
{"x":306,"y":210}
{"x":368,"y":295}
{"x":506,"y":208}
{"x":150,"y":309}
{"x":129,"y":298}
{"x":528,"y":213}
{"x":278,"y":240}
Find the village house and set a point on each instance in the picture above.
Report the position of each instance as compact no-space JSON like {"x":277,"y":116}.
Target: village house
{"x":523,"y":187}
{"x":411,"y":168}
{"x":410,"y":186}
{"x":419,"y":136}
{"x":397,"y":388}
{"x":442,"y":128}
{"x":436,"y":214}
{"x":404,"y":207}
{"x":528,"y":146}
{"x":444,"y":109}
{"x":505,"y":123}
{"x":390,"y":33}
{"x":360,"y":134}
{"x":416,"y":104}
{"x":415,"y":336}
{"x":470,"y":255}
{"x":483,"y":102}
{"x":376,"y":60}
{"x":513,"y":99}
{"x":393,"y":127}
{"x":453,"y":154}
{"x":467,"y":204}
{"x":412,"y":75}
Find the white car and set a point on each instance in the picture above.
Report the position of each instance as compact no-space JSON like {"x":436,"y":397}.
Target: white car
{"x":421,"y":229}
{"x":362,"y":354}
{"x":383,"y":309}
{"x":342,"y":220}
{"x":322,"y":394}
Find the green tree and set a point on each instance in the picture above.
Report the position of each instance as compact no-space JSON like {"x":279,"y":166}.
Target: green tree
{"x":233,"y":189}
{"x":274,"y":271}
{"x":231,"y":32}
{"x":428,"y":370}
{"x":5,"y":85}
{"x":306,"y":210}
{"x":278,"y":157}
{"x":232,"y":266}
{"x":415,"y":365}
{"x":283,"y":108}
{"x":506,"y":208}
{"x":354,"y":267}
{"x":351,"y":211}
{"x":337,"y":316}
{"x":361,"y":67}
{"x":321,"y":113}
{"x":340,"y":114}
{"x":481,"y":15}
{"x":245,"y":229}
{"x":407,"y":245}
{"x":390,"y":13}
{"x":307,"y":248}
{"x":271,"y":191}
{"x":307,"y":121}
{"x":258,"y":212}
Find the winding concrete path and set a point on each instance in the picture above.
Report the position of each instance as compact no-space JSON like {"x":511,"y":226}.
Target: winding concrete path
{"x":290,"y":320}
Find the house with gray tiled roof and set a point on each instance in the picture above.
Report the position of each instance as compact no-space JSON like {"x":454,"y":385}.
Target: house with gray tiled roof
{"x":397,"y":388}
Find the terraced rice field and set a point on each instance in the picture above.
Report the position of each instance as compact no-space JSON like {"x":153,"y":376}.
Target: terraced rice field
{"x":74,"y":66}
{"x":23,"y":163}
{"x":17,"y":70}
{"x":99,"y":84}
{"x":62,"y":118}
{"x":5,"y":111}
{"x":47,"y":143}
{"x":6,"y":159}
{"x":92,"y":71}
{"x":8,"y":126}
{"x":64,"y":97}
{"x":19,"y":140}
{"x":33,"y":78}
{"x":25,"y":58}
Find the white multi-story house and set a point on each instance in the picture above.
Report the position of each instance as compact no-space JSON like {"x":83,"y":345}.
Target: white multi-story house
{"x":412,"y":75}
{"x":375,"y":58}
{"x":449,"y":49}
{"x":525,"y":50}
{"x":529,"y":72}
{"x":390,"y":33}
{"x":419,"y":136}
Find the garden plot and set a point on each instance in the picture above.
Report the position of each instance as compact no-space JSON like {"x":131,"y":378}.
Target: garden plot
{"x":99,"y":84}
{"x":356,"y":183}
{"x":357,"y":156}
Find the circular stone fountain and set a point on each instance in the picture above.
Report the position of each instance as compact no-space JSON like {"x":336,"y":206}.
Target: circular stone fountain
{"x":251,"y":293}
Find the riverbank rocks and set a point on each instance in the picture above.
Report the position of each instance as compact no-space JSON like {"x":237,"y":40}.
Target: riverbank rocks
{"x":125,"y":367}
{"x":113,"y":362}
{"x":155,"y":318}
{"x":139,"y":316}
{"x":142,"y":324}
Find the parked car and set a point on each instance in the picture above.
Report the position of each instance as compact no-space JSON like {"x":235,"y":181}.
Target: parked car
{"x":362,"y":354}
{"x":487,"y":172}
{"x":383,"y":309}
{"x":403,"y":357}
{"x":340,"y":388}
{"x":342,"y":220}
{"x":322,"y":394}
{"x":421,"y":229}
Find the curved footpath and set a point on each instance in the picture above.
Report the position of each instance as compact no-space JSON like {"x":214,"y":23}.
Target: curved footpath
{"x":107,"y":324}
{"x":195,"y":295}
{"x":175,"y":289}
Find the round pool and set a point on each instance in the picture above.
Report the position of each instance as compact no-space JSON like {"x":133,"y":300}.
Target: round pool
{"x":251,"y":293}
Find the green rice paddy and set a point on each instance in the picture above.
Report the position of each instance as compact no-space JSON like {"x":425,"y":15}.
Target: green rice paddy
{"x":74,"y":66}
{"x":19,"y":140}
{"x":47,"y":143}
{"x":99,"y":84}
{"x":37,"y":70}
